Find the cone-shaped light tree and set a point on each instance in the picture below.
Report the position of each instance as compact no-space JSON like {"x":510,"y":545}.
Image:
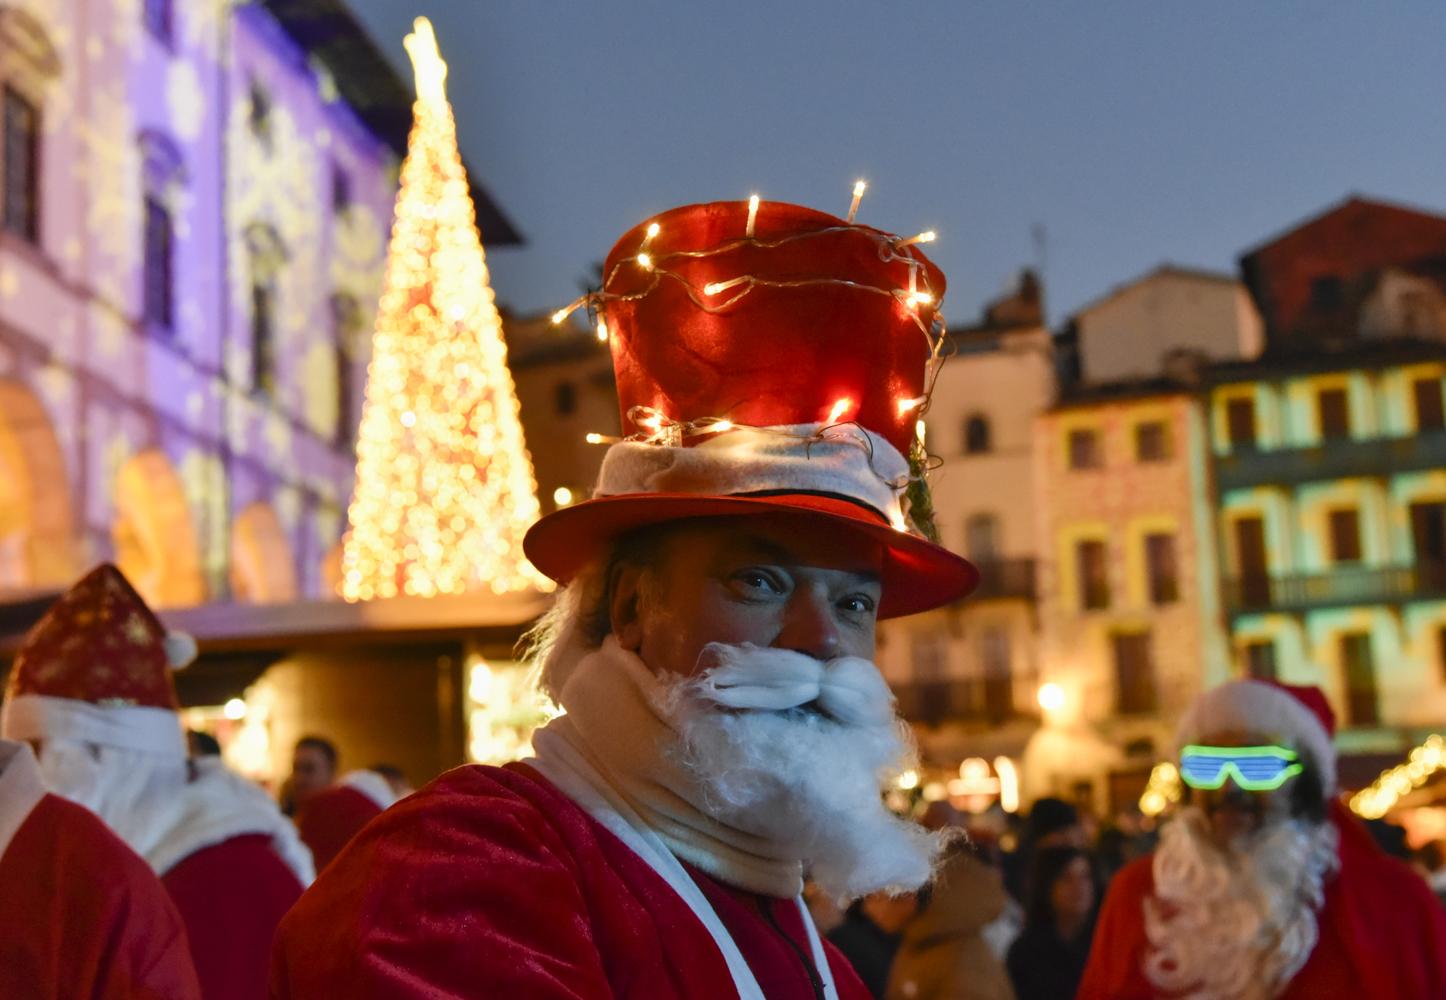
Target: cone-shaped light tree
{"x":444,"y":488}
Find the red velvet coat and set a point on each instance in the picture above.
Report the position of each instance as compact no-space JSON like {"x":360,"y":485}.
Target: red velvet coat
{"x":490,"y":882}
{"x":329,"y":819}
{"x":82,"y":916}
{"x":232,"y":896}
{"x":1382,"y":933}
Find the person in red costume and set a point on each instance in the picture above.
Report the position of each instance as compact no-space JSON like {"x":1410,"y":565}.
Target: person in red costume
{"x":80,"y":914}
{"x":725,"y":730}
{"x":1269,"y":892}
{"x":91,"y":686}
{"x":329,"y":818}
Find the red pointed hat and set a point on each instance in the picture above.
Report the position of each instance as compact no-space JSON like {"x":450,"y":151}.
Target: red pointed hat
{"x":95,"y":666}
{"x":780,"y":370}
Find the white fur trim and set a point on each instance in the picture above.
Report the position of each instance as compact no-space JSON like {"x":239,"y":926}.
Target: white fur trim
{"x":132,"y":727}
{"x":180,"y":649}
{"x":20,"y":789}
{"x":843,"y":459}
{"x":217,"y":806}
{"x":373,"y":786}
{"x":1260,"y":708}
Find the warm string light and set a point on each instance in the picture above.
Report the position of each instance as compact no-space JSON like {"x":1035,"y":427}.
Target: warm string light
{"x":752,"y":215}
{"x":444,"y":484}
{"x":652,"y":233}
{"x":602,"y":330}
{"x":840,"y":407}
{"x":907,"y":405}
{"x":927,"y":236}
{"x":1381,"y":796}
{"x":859,"y":187}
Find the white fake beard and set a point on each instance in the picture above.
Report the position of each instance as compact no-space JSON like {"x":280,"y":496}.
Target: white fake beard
{"x":802,"y":778}
{"x":134,"y":792}
{"x":1236,"y":924}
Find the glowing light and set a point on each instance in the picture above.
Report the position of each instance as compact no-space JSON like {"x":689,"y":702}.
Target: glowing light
{"x":1008,"y":784}
{"x":752,"y":215}
{"x":503,"y":709}
{"x":908,"y":780}
{"x":714,"y":287}
{"x":592,"y":438}
{"x":1161,"y":790}
{"x":562,"y":496}
{"x":653,"y":230}
{"x":720,"y":426}
{"x":568,"y":310}
{"x":920,"y":298}
{"x":839,"y":409}
{"x":558,"y":317}
{"x":859,"y":187}
{"x":927,"y":236}
{"x":897,"y":519}
{"x":907,"y":405}
{"x":602,"y":330}
{"x":645,"y":261}
{"x":1381,"y":796}
{"x":920,"y":430}
{"x":234,"y":709}
{"x":444,"y":484}
{"x":1051,"y":697}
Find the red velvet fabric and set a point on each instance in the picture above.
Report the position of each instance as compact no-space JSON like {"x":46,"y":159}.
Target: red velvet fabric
{"x":490,"y":882}
{"x":1382,"y":933}
{"x":82,"y":916}
{"x":328,"y":820}
{"x":232,"y":896}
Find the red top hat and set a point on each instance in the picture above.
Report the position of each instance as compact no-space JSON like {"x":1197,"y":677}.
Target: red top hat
{"x":777,"y":371}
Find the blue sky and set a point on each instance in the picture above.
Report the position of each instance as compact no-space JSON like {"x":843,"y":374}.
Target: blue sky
{"x":1132,"y":132}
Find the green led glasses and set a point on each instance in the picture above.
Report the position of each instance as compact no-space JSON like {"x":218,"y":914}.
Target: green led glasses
{"x":1255,"y":769}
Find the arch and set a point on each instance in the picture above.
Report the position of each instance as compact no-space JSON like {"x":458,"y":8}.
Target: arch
{"x":262,"y":568}
{"x":978,"y":437}
{"x":37,"y":531}
{"x":155,"y":538}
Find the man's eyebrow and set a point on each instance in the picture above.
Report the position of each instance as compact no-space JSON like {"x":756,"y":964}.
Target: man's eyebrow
{"x":772,"y":551}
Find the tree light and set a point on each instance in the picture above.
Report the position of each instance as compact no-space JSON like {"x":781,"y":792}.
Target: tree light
{"x":752,"y":214}
{"x":859,"y":187}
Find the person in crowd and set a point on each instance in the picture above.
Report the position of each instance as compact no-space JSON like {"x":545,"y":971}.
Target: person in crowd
{"x":1048,"y":958}
{"x":80,"y":914}
{"x":328,"y":819}
{"x":1264,"y":885}
{"x":91,"y":686}
{"x":943,"y":954}
{"x":1051,"y":823}
{"x":314,"y":765}
{"x":869,"y":935}
{"x":396,"y":779}
{"x":725,"y":729}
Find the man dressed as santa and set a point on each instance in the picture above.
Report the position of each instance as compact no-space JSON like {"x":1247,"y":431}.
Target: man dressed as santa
{"x":80,"y":914}
{"x":328,"y":819}
{"x":91,"y":686}
{"x":1264,"y":885}
{"x":725,"y":731}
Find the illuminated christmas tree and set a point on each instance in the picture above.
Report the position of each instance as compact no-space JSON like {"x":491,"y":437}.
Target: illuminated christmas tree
{"x":444,"y":487}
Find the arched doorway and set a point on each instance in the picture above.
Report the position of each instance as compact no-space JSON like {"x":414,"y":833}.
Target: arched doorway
{"x":262,"y":568}
{"x":155,"y":537}
{"x":37,"y":537}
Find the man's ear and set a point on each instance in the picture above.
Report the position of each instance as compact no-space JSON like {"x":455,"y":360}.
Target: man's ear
{"x":625,"y":592}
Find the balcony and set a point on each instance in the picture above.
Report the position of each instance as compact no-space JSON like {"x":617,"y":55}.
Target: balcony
{"x":1005,"y":578}
{"x":1342,"y":459}
{"x":1340,"y":587}
{"x":972,"y":700}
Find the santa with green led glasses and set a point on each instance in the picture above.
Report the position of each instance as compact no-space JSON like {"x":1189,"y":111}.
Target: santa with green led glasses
{"x":1264,"y":886}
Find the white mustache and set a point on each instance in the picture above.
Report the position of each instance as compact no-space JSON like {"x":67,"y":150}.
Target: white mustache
{"x":849,"y":689}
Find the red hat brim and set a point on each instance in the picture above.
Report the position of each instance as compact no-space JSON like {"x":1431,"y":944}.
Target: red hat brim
{"x":916,"y":575}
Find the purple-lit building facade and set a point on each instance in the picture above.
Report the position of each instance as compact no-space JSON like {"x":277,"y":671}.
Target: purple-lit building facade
{"x":194,"y":213}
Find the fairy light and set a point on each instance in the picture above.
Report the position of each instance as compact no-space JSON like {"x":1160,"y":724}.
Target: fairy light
{"x":645,"y":261}
{"x":927,"y":236}
{"x":718,"y":427}
{"x":602,"y":330}
{"x":593,"y":438}
{"x":652,"y":233}
{"x":752,"y":215}
{"x":917,"y":298}
{"x":909,"y":405}
{"x":714,"y":287}
{"x":919,"y":430}
{"x":859,"y":188}
{"x":444,"y":484}
{"x":1381,"y":796}
{"x":562,"y":314}
{"x":840,"y":407}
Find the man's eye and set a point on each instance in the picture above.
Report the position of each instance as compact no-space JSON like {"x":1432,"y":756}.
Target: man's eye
{"x":860,"y":604}
{"x":758,"y":580}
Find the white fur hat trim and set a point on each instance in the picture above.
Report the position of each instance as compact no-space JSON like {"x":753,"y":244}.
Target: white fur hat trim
{"x":1253,"y":707}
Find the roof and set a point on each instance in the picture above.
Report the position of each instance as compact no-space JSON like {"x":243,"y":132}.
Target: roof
{"x":1348,"y":202}
{"x":1081,"y":395}
{"x":1162,"y":270}
{"x":1326,"y":355}
{"x":371,"y":87}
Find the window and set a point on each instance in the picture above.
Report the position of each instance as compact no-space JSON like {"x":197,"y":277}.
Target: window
{"x":259,"y":118}
{"x":1345,"y":531}
{"x":1359,"y":668}
{"x":976,"y":435}
{"x":263,"y":337}
{"x":1152,"y":441}
{"x":1335,"y":419}
{"x":1240,"y":422}
{"x":340,"y":189}
{"x":1429,"y":411}
{"x":1441,"y":652}
{"x":981,"y":539}
{"x":1084,"y":449}
{"x":346,"y":318}
{"x":564,"y":399}
{"x":1260,"y":659}
{"x":930,"y":653}
{"x":21,"y":207}
{"x":159,"y":22}
{"x":1134,"y":674}
{"x":1161,"y":569}
{"x":998,"y":677}
{"x":1094,"y":580}
{"x":158,"y":303}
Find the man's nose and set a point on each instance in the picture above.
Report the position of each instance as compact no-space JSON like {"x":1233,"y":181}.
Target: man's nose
{"x":809,"y":625}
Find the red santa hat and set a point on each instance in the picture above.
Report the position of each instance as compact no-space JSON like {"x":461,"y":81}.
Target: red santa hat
{"x":773,"y":366}
{"x":1295,"y":714}
{"x":97,"y":669}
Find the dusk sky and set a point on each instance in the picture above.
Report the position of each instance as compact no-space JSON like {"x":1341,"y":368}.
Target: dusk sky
{"x":1132,"y":132}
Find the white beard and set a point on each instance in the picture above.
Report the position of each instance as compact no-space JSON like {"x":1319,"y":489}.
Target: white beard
{"x":812,"y":780}
{"x":1237,"y":924}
